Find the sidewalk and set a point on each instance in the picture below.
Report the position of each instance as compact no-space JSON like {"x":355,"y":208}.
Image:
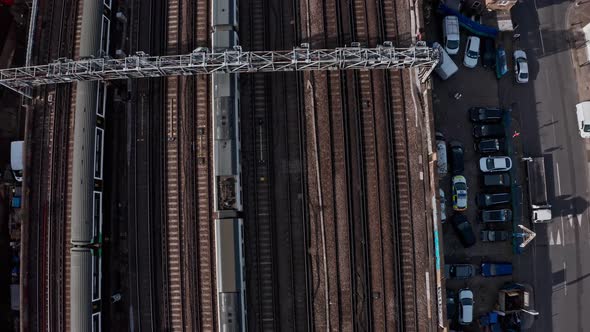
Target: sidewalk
{"x":578,"y":16}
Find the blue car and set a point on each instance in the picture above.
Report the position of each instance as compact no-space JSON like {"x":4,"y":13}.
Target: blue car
{"x":501,"y":64}
{"x":496,"y":269}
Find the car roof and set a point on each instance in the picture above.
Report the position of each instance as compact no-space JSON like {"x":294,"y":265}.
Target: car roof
{"x":519,"y":54}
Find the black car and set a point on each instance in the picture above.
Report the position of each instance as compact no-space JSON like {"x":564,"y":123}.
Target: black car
{"x":500,"y":215}
{"x":457,"y":157}
{"x":486,"y":200}
{"x":490,"y":145}
{"x":463,"y":230}
{"x":488,"y":59}
{"x":459,"y":271}
{"x":489,"y":130}
{"x":496,"y":180}
{"x":485,"y":114}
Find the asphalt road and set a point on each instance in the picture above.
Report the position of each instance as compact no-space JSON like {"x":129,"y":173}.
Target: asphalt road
{"x":558,"y":262}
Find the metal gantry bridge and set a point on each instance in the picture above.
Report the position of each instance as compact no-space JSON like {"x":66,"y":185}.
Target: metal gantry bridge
{"x":203,"y":61}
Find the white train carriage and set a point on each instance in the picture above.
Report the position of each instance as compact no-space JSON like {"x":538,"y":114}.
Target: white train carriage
{"x":85,"y":290}
{"x":231,"y":279}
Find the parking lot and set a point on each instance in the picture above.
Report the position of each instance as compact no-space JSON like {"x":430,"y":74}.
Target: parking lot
{"x":477,"y":87}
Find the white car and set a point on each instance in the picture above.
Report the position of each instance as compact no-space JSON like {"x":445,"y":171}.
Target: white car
{"x":471,"y":52}
{"x":465,"y":306}
{"x":583,"y":115}
{"x":521,"y":67}
{"x":495,"y":164}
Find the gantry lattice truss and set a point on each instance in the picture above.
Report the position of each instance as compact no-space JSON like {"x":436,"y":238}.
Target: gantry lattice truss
{"x":202,"y":61}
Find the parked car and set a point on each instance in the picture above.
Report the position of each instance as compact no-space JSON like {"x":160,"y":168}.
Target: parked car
{"x":451,"y":34}
{"x":488,"y":235}
{"x":496,"y":269}
{"x":496,"y":180}
{"x":489,"y":130}
{"x":490,"y":145}
{"x":499,"y":215}
{"x":489,"y":53}
{"x":521,"y":67}
{"x":464,"y":230}
{"x":459,"y":271}
{"x":495,"y":164}
{"x":485,"y":114}
{"x":459,"y":188}
{"x":501,"y":62}
{"x":465,"y":306}
{"x":451,"y":304}
{"x":443,"y":206}
{"x":471,"y":52}
{"x":441,"y":154}
{"x":486,"y":200}
{"x":457,"y":157}
{"x":446,"y":67}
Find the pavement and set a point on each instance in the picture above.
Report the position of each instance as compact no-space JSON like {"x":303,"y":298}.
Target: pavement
{"x":577,"y":17}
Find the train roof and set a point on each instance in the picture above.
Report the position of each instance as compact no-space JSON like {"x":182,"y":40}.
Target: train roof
{"x":81,"y":289}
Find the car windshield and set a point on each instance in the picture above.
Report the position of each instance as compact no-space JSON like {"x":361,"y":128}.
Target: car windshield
{"x":587,"y":128}
{"x":495,"y":215}
{"x":452,"y":44}
{"x":490,"y":163}
{"x":466,"y":301}
{"x":524,"y":76}
{"x":463,"y":226}
{"x":472,"y":54}
{"x":460,"y":187}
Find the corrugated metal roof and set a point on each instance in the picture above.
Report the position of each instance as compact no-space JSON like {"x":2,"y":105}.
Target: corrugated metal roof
{"x":81,"y":289}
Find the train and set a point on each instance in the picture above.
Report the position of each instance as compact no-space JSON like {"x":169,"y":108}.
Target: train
{"x":87,"y":176}
{"x":228,"y":199}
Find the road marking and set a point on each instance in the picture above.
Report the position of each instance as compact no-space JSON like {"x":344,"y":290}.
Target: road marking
{"x":558,"y":179}
{"x":564,"y":278}
{"x":551,"y":242}
{"x":541,"y":39}
{"x":562,"y":230}
{"x":558,"y":240}
{"x":570,"y":219}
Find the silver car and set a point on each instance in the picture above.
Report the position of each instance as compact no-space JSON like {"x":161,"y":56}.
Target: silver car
{"x":495,"y":164}
{"x":466,"y":306}
{"x":521,"y":66}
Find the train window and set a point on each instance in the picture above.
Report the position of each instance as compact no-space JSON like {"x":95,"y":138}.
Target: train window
{"x":96,"y":277}
{"x":98,"y":151}
{"x":97,"y":208}
{"x":105,"y":35}
{"x":101,"y":99}
{"x":96,"y":324}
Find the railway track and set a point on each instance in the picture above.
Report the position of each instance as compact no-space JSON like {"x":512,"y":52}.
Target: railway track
{"x":202,"y":159}
{"x":259,"y":214}
{"x":70,"y":153}
{"x":52,"y":176}
{"x":397,"y":132}
{"x":286,"y":141}
{"x":175,"y":318}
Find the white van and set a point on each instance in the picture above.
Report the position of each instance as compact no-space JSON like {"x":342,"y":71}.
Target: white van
{"x":451,"y":34}
{"x":583,"y":115}
{"x":16,"y":159}
{"x":445,"y":67}
{"x":441,"y":154}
